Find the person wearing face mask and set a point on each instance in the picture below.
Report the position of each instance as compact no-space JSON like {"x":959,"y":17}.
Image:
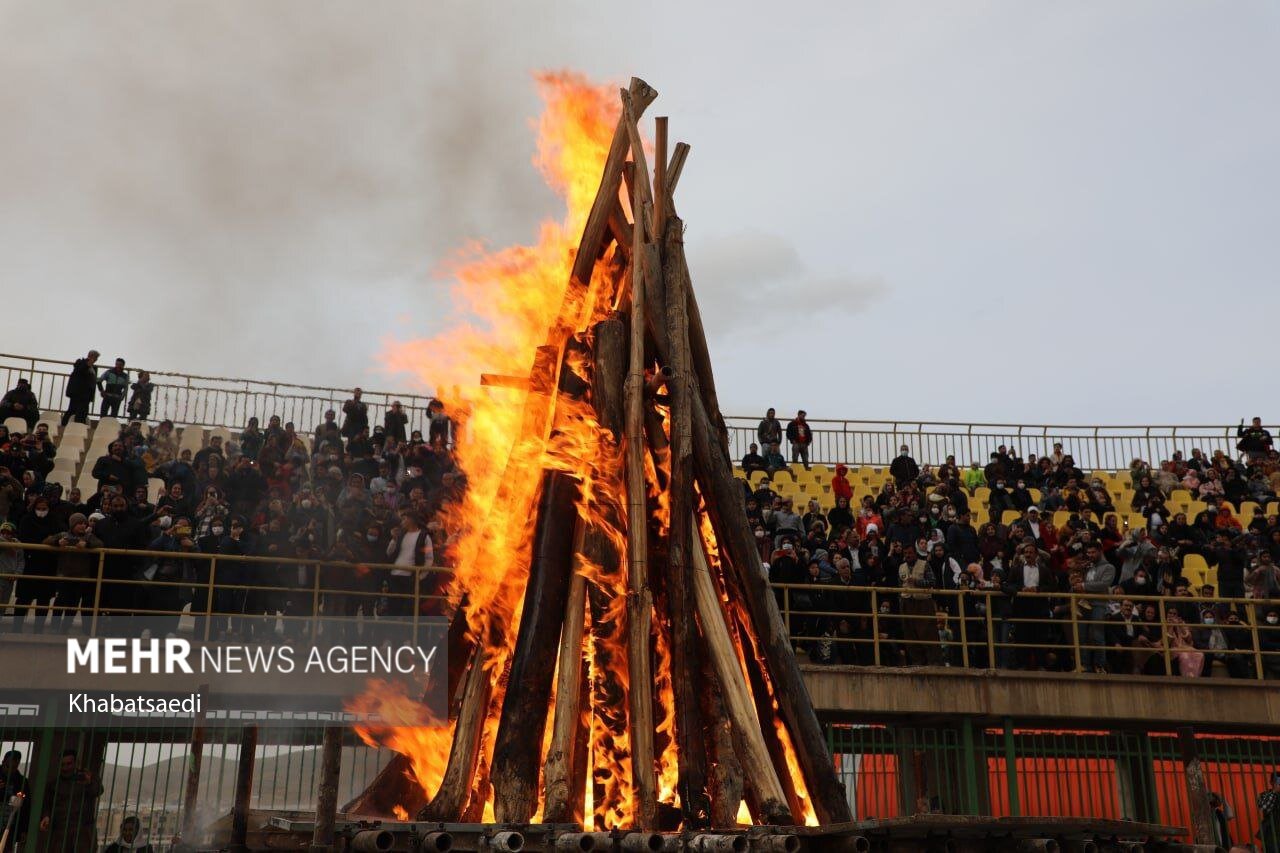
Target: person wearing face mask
{"x":1269,"y":641}
{"x":999,"y":500}
{"x":1136,"y":550}
{"x":904,"y":469}
{"x":35,"y":527}
{"x":166,"y":598}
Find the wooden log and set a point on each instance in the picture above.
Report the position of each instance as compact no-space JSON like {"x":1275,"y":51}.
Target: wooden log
{"x":685,"y":657}
{"x":725,"y":781}
{"x":610,"y":354}
{"x":642,"y":191}
{"x":191,"y":793}
{"x":674,"y":168}
{"x":395,"y":785}
{"x":516,"y":754}
{"x":559,"y":777}
{"x":723,"y":496}
{"x":738,"y":700}
{"x":455,"y":785}
{"x":728,"y":515}
{"x":639,"y":599}
{"x":327,"y":792}
{"x":640,"y":94}
{"x":243,"y":790}
{"x":660,"y":198}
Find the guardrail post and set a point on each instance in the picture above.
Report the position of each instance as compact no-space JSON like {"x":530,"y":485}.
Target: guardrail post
{"x":875,"y":626}
{"x":97,"y":594}
{"x":1257,"y":644}
{"x":786,"y":612}
{"x":315,"y":605}
{"x":1075,"y":634}
{"x":1164,"y":640}
{"x":1011,"y":768}
{"x":991,"y":638}
{"x":208,"y":602}
{"x":964,"y":632}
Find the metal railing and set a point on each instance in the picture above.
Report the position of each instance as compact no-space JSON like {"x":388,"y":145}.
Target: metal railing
{"x":987,"y":629}
{"x":855,"y":442}
{"x":214,"y":604}
{"x":896,"y":768}
{"x":211,"y":401}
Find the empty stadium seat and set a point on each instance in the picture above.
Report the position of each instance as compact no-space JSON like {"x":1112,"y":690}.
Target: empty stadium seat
{"x":155,"y":488}
{"x":221,"y":432}
{"x":62,"y":477}
{"x":15,"y":425}
{"x":191,"y":438}
{"x":65,"y":463}
{"x":76,"y":428}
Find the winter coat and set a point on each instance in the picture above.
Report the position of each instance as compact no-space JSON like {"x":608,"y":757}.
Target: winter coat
{"x":83,"y":381}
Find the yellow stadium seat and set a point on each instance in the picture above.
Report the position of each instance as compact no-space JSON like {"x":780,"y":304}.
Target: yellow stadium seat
{"x":1248,"y":509}
{"x":1035,"y":495}
{"x":1273,"y":509}
{"x":1194,"y":509}
{"x":1010,"y":516}
{"x":1061,"y":517}
{"x":1194,"y":562}
{"x":982,"y":494}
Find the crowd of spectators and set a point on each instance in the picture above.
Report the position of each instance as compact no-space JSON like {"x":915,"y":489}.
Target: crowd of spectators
{"x":346,"y":491}
{"x":916,"y":540}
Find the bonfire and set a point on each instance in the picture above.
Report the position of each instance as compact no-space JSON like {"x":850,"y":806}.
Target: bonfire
{"x":619,"y":659}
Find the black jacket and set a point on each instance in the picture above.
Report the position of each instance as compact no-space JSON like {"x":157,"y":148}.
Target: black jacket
{"x":83,"y":381}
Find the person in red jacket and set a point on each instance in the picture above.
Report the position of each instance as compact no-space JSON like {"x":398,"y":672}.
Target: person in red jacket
{"x":840,"y":486}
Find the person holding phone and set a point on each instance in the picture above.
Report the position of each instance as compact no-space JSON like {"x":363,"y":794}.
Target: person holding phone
{"x":70,"y":805}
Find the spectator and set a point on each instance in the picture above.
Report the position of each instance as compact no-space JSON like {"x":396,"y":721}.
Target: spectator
{"x":20,"y":402}
{"x":974,"y":477}
{"x":440,"y":426}
{"x":769,"y":432}
{"x":70,"y":805}
{"x":81,"y":385}
{"x":77,"y":570}
{"x":840,"y":485}
{"x":1099,"y":577}
{"x":395,"y":421}
{"x":1189,"y":659}
{"x":1254,"y":441}
{"x":801,"y":437}
{"x":139,"y":407}
{"x":753,"y":461}
{"x":410,"y":547}
{"x":12,"y":785}
{"x":904,"y":469}
{"x":355,"y":414}
{"x":113,"y":383}
{"x":11,"y":564}
{"x":130,"y":839}
{"x":917,"y":607}
{"x":774,"y":461}
{"x":252,"y":440}
{"x":114,"y":469}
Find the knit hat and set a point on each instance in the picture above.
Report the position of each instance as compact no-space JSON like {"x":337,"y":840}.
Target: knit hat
{"x":76,"y":518}
{"x":8,"y":527}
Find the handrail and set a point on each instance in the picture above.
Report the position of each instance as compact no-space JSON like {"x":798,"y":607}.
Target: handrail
{"x":976,"y":643}
{"x":319,"y":592}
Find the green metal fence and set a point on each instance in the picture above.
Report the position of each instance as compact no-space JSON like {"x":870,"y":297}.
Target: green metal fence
{"x":894,"y":769}
{"x":144,"y":773}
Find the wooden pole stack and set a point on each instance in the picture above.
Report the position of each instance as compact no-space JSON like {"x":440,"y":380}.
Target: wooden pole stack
{"x":734,"y":679}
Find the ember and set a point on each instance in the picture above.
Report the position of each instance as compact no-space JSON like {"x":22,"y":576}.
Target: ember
{"x":625,"y":662}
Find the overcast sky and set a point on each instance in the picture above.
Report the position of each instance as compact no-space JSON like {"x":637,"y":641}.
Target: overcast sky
{"x":1011,"y":211}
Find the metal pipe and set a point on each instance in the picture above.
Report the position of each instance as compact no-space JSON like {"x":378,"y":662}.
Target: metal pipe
{"x":373,"y":841}
{"x":583,"y":841}
{"x":435,"y":842}
{"x":775,"y":843}
{"x":507,"y":842}
{"x":655,"y":383}
{"x":1038,"y":845}
{"x":719,"y":843}
{"x":642,"y":842}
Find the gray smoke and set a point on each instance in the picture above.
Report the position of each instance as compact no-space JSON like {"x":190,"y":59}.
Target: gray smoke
{"x":188,"y":184}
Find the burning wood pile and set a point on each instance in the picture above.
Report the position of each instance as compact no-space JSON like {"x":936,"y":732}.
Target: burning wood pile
{"x":623,"y":662}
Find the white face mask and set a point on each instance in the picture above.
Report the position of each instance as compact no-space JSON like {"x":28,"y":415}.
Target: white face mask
{"x":306,"y":504}
{"x":41,"y":513}
{"x":1271,"y":620}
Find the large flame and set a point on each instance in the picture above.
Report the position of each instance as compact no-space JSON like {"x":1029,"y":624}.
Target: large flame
{"x":508,"y":303}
